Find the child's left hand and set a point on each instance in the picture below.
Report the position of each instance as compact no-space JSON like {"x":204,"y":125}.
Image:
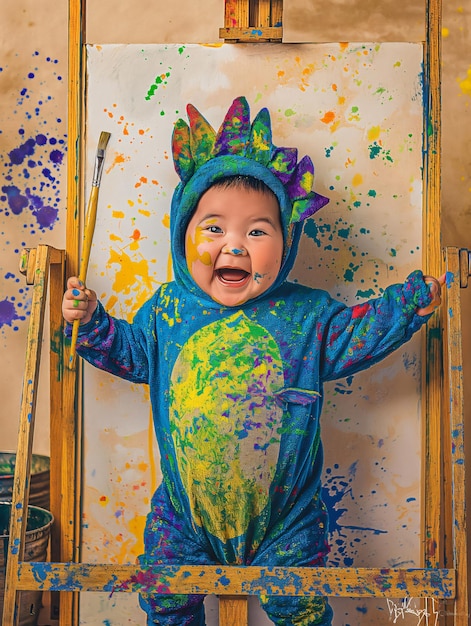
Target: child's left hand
{"x":435,"y":286}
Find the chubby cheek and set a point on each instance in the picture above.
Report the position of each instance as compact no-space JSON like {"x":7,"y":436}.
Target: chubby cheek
{"x":195,"y":251}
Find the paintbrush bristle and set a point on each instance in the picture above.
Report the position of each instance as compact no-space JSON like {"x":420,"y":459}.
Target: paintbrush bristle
{"x":104,"y":138}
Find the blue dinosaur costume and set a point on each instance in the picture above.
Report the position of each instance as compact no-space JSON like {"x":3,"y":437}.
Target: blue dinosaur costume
{"x":236,"y":392}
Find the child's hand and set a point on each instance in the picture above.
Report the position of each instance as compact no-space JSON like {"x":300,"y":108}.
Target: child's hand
{"x":78,"y":302}
{"x":435,"y":286}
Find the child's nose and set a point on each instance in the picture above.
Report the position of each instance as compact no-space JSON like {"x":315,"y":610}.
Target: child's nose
{"x":234,"y":251}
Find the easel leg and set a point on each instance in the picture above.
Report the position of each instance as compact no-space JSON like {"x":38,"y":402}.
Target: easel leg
{"x":233,"y":611}
{"x":20,"y":493}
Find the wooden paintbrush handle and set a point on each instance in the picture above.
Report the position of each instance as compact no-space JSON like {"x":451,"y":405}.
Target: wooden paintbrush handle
{"x":89,"y":229}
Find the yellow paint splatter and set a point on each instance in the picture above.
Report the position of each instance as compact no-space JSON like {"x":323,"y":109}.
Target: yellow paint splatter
{"x":118,"y":214}
{"x":373,"y":133}
{"x":445,"y":32}
{"x":166,"y":220}
{"x":465,"y":85}
{"x":357,"y":180}
{"x":132,"y":277}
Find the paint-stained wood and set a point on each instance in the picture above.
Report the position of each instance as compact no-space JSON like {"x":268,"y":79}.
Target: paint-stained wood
{"x":233,"y":610}
{"x":69,"y":449}
{"x":276,"y":18}
{"x":457,"y":267}
{"x":236,"y":13}
{"x":260,"y":12}
{"x":432,"y":264}
{"x":252,"y":34}
{"x":56,"y":361}
{"x":232,"y":580}
{"x":252,"y":20}
{"x":20,"y":493}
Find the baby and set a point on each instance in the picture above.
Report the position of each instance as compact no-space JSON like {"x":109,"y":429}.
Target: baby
{"x":236,"y":357}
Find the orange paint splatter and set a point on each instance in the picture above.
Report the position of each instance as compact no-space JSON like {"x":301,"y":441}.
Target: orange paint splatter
{"x":328,"y":117}
{"x":117,"y":160}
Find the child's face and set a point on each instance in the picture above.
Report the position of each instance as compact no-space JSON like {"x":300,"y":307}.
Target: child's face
{"x":234,"y":244}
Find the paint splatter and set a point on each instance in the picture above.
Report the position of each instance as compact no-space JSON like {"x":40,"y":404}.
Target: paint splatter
{"x":31,"y":165}
{"x":337,"y":488}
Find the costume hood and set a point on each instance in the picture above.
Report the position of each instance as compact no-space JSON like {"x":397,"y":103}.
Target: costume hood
{"x":201,"y":157}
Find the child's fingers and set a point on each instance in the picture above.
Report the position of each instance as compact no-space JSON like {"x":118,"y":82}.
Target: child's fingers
{"x":435,"y":286}
{"x":73,"y":281}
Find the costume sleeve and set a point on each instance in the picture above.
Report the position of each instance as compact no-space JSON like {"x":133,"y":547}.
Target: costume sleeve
{"x":357,"y":337}
{"x":117,"y":346}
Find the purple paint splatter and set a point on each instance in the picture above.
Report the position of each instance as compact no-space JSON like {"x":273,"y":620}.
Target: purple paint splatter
{"x":31,"y":170}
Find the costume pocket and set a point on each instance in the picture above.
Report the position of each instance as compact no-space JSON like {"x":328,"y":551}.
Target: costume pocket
{"x":294,"y":395}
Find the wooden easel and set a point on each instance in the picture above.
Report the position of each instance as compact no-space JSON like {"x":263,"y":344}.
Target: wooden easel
{"x":233,"y":584}
{"x":444,"y":575}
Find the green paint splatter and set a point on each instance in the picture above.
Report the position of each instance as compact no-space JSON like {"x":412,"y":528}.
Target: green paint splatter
{"x":290,"y":112}
{"x":350,"y":272}
{"x":372,"y":193}
{"x":393,"y":252}
{"x":365,"y":293}
{"x":316,"y":231}
{"x":159,"y":80}
{"x":375,"y":150}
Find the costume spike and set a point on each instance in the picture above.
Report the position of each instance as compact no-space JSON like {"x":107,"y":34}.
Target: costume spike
{"x":202,"y":136}
{"x":283,"y":163}
{"x":233,"y":135}
{"x":182,"y":159}
{"x":261,"y":147}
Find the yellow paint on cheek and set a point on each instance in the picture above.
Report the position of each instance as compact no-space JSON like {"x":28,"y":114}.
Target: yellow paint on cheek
{"x":192,"y":254}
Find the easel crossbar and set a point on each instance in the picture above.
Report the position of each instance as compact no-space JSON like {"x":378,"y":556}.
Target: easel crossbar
{"x":233,"y":580}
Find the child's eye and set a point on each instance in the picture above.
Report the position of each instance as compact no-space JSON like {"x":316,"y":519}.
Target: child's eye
{"x":213,"y":229}
{"x":257,"y":232}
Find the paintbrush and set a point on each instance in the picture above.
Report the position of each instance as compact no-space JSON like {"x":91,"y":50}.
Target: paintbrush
{"x":89,"y":229}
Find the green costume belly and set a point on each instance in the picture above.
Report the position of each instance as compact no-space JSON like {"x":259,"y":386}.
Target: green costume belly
{"x":226,"y":423}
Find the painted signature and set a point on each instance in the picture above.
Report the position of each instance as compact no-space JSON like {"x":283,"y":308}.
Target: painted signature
{"x":426,"y":612}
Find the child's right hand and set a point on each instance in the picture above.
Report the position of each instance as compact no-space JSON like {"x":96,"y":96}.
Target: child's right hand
{"x":78,"y":302}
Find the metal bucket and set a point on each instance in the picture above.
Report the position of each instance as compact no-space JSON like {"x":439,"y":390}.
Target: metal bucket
{"x":38,"y":531}
{"x":39,"y":490}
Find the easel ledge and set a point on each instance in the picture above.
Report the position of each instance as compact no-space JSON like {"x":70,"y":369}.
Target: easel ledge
{"x":233,"y":580}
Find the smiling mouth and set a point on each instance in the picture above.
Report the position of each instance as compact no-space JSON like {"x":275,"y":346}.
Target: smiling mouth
{"x":232,"y":276}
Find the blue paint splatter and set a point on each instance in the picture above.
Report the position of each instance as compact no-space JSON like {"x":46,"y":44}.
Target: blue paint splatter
{"x":337,"y":487}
